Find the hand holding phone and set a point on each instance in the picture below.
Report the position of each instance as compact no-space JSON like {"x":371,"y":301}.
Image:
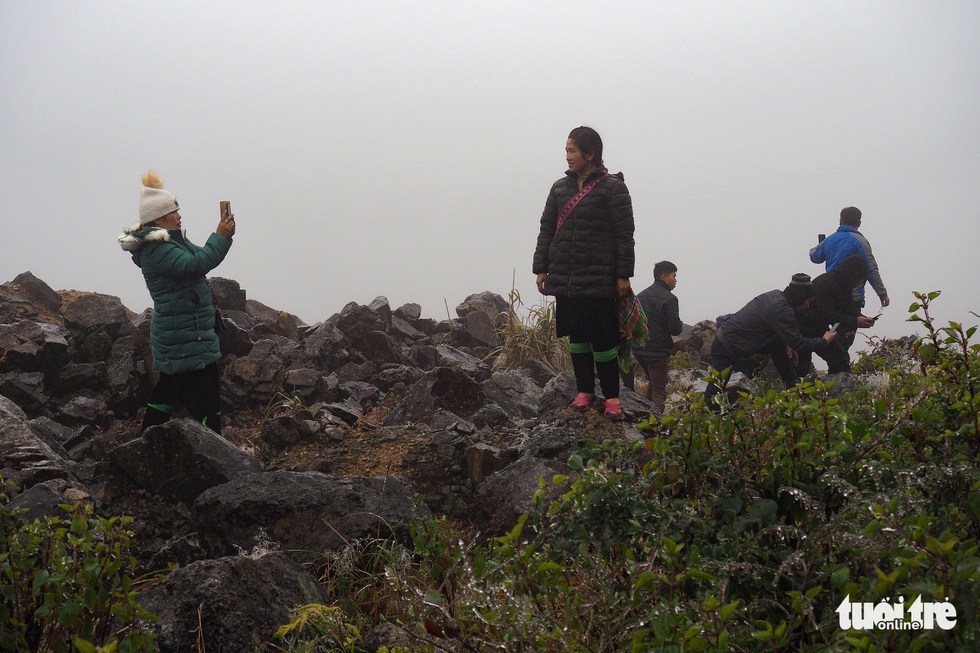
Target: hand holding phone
{"x":226,"y":223}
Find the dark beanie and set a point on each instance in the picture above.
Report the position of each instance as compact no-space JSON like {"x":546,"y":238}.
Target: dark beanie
{"x":800,"y":289}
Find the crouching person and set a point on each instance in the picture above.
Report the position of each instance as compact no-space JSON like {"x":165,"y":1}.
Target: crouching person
{"x":766,"y":325}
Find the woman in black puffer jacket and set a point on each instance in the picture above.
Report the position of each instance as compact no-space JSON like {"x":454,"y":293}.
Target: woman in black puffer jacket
{"x":584,"y":258}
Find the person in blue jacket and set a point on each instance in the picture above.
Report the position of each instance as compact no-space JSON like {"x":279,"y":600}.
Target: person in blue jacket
{"x":845,"y":242}
{"x":182,"y":329}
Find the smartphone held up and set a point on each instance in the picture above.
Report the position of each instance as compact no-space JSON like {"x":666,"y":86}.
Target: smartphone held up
{"x":225,"y":206}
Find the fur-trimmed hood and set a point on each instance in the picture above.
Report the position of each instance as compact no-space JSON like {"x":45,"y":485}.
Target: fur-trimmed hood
{"x":134,"y":237}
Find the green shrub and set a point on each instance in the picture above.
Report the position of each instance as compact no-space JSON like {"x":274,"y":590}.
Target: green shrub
{"x":66,"y":584}
{"x":740,"y":531}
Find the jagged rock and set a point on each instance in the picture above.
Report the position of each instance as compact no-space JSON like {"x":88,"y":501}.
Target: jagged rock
{"x":378,"y":346}
{"x":234,"y":603}
{"x":737,"y":383}
{"x":181,"y":459}
{"x":45,"y":499}
{"x":403,"y":331}
{"x":327,"y":346}
{"x":392,"y":375}
{"x":483,"y":460}
{"x":95,"y":313}
{"x":560,"y":391}
{"x":305,"y":513}
{"x":363,"y":393}
{"x":27,"y":459}
{"x":696,"y":341}
{"x":282,"y":432}
{"x":349,"y":411}
{"x":309,"y":385}
{"x":234,"y":336}
{"x":68,"y":442}
{"x":355,"y":320}
{"x":256,"y":378}
{"x":444,"y":388}
{"x":409,"y":312}
{"x":507,"y":495}
{"x":11,"y":409}
{"x":486,"y":302}
{"x":26,"y":389}
{"x":37,"y":291}
{"x":128,"y":372}
{"x":514,"y":391}
{"x":473,"y":367}
{"x":228,"y":294}
{"x":33,"y":347}
{"x":381,"y":306}
{"x":84,"y":410}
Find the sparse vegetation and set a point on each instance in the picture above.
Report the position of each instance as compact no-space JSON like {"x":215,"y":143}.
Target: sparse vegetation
{"x":739,"y":531}
{"x":530,"y":335}
{"x":736,"y":532}
{"x":66,"y":584}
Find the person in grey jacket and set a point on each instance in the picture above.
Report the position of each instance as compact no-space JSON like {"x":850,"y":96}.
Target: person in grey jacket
{"x":584,"y":258}
{"x":182,"y":329}
{"x":767,"y":325}
{"x":663,"y":321}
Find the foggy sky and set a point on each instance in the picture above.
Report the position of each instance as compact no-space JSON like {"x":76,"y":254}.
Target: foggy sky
{"x":405,"y":149}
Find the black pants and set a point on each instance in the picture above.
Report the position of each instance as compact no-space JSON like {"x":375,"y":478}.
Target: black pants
{"x":834,"y":354}
{"x":722,"y":359}
{"x":592,"y":327}
{"x":198,"y":391}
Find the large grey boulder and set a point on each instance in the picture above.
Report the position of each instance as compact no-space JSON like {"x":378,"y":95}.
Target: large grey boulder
{"x":234,"y":603}
{"x":305,"y":513}
{"x":509,"y":493}
{"x":443,"y":388}
{"x":181,"y":459}
{"x":514,"y":391}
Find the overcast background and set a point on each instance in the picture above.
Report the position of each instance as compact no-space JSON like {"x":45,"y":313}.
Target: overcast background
{"x":405,"y":149}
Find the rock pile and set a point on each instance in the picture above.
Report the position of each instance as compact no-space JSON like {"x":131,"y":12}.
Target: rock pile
{"x":339,"y":431}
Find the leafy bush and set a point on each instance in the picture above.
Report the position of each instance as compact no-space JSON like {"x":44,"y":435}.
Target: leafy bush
{"x":65,"y":584}
{"x":740,"y":531}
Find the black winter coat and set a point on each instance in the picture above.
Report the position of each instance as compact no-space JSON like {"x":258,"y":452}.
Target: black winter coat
{"x":834,"y":301}
{"x":663,"y":320}
{"x":595,"y":245}
{"x":766,"y":319}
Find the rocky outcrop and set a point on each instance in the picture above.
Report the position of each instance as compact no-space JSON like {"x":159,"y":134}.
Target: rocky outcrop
{"x":333,"y":433}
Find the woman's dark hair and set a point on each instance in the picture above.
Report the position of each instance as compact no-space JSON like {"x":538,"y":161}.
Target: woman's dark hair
{"x":589,"y":141}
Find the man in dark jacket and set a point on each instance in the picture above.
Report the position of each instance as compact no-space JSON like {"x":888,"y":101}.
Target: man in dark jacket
{"x":833,"y":304}
{"x":767,"y":325}
{"x":663,"y":321}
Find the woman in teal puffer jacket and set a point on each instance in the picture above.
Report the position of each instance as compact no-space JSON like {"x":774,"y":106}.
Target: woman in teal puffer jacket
{"x":185,"y":344}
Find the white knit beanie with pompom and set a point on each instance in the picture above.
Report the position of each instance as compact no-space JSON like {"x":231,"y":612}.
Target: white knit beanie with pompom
{"x":154,"y":201}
